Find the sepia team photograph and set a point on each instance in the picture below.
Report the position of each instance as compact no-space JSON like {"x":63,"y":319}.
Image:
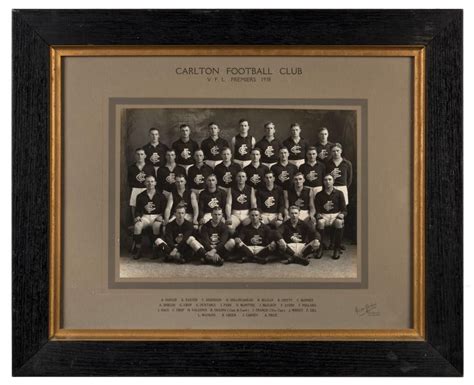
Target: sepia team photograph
{"x":238,"y":192}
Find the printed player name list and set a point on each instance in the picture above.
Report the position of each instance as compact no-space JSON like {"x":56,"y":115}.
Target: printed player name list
{"x":237,"y":307}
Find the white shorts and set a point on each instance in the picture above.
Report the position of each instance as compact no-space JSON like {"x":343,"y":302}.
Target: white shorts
{"x":148,"y":220}
{"x":297,"y":162}
{"x":304,"y":214}
{"x":297,"y":248}
{"x":329,"y":218}
{"x":269,"y":165}
{"x":242,"y":163}
{"x":212,"y":163}
{"x":344,"y":191}
{"x":269,"y":217}
{"x":186,"y":167}
{"x":315,"y":190}
{"x":255,"y":249}
{"x":134,"y":194}
{"x":238,"y":216}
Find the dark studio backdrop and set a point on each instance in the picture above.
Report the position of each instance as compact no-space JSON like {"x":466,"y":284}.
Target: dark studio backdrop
{"x":136,"y":122}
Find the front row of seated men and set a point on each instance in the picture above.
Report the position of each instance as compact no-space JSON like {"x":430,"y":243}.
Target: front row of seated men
{"x":289,"y":232}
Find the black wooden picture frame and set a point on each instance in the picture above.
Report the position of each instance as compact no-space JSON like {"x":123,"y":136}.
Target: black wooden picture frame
{"x":440,"y":31}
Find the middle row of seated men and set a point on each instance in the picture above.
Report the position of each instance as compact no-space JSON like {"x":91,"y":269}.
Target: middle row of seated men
{"x":242,"y":207}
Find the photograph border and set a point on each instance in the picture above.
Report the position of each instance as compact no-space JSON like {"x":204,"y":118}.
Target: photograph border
{"x":436,"y":32}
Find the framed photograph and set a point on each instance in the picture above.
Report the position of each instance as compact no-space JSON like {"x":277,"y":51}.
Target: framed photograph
{"x":253,"y":195}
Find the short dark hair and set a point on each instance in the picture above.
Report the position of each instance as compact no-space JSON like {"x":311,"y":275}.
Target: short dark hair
{"x":339,"y":145}
{"x":180,"y":205}
{"x":322,"y":128}
{"x":212,"y":124}
{"x":153,"y":129}
{"x":295,"y":125}
{"x":184,"y":125}
{"x":268,"y":123}
{"x":243,"y":120}
{"x":139,"y":149}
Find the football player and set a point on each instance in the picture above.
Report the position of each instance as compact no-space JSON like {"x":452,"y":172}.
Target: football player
{"x":297,"y":239}
{"x":242,"y":144}
{"x":178,"y":244}
{"x":255,"y":170}
{"x":296,"y":145}
{"x":136,"y":177}
{"x":341,"y":170}
{"x":323,"y":146}
{"x":254,"y":242}
{"x":271,"y":202}
{"x":214,"y":236}
{"x":284,"y":170}
{"x":165,"y":176}
{"x":299,"y":195}
{"x":240,"y":199}
{"x":155,"y":150}
{"x":269,"y":146}
{"x":149,"y":212}
{"x":185,"y":147}
{"x":331,"y":210}
{"x":226,"y":171}
{"x":213,"y":146}
{"x":198,"y":173}
{"x":184,"y":197}
{"x":313,"y":171}
{"x":209,"y":198}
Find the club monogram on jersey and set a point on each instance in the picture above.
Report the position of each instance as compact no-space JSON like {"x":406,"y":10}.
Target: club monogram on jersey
{"x":311,"y":176}
{"x":214,"y":238}
{"x":296,"y":238}
{"x":269,"y":202}
{"x":243,"y":149}
{"x":150,"y":207}
{"x":255,"y":179}
{"x":141,"y":177}
{"x":186,"y":154}
{"x":242,"y":198}
{"x":296,"y":149}
{"x":284,"y":176}
{"x":170,"y":178}
{"x":269,"y":151}
{"x":256,"y":240}
{"x":227,"y":178}
{"x":214,"y":150}
{"x":155,"y":158}
{"x":214,"y":202}
{"x":199,"y":179}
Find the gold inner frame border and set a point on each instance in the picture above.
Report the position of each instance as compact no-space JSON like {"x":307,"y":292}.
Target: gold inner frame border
{"x":416,"y":333}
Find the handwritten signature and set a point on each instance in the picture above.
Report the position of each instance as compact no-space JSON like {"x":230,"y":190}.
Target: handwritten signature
{"x":369,"y":309}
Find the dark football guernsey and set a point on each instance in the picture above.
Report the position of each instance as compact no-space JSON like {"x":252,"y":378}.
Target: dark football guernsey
{"x":313,"y":175}
{"x":256,"y":237}
{"x":243,"y":147}
{"x":150,"y":206}
{"x":226,"y":175}
{"x":165,"y":177}
{"x":284,"y":174}
{"x":136,"y":176}
{"x":334,"y":202}
{"x":212,"y":148}
{"x":301,"y":200}
{"x":156,"y":155}
{"x":268,"y":150}
{"x":345,"y":170}
{"x":255,"y":175}
{"x":241,"y":199}
{"x":297,"y":150}
{"x":327,"y":147}
{"x":270,"y":201}
{"x":184,"y":199}
{"x":301,"y":233}
{"x":214,"y":236}
{"x":209,"y":200}
{"x":197,"y":176}
{"x":176,"y":235}
{"x":185,"y":151}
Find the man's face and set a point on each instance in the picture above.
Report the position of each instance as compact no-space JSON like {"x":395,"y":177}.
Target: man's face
{"x":255,"y":217}
{"x":170,"y":156}
{"x":298,"y":180}
{"x":211,"y":182}
{"x":294,"y":214}
{"x":150,"y":182}
{"x":336,"y":152}
{"x":226,"y":155}
{"x":199,"y":156}
{"x":255,"y":155}
{"x":323,"y":135}
{"x":244,"y":127}
{"x":284,"y":155}
{"x":270,"y":129}
{"x":214,"y":130}
{"x":180,"y":182}
{"x":216,"y":215}
{"x":241,"y":177}
{"x":295,"y":131}
{"x":311,"y":155}
{"x":269,"y":179}
{"x":180,"y":213}
{"x":140,"y":155}
{"x":154,"y":136}
{"x":328,"y":181}
{"x":185,"y":131}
